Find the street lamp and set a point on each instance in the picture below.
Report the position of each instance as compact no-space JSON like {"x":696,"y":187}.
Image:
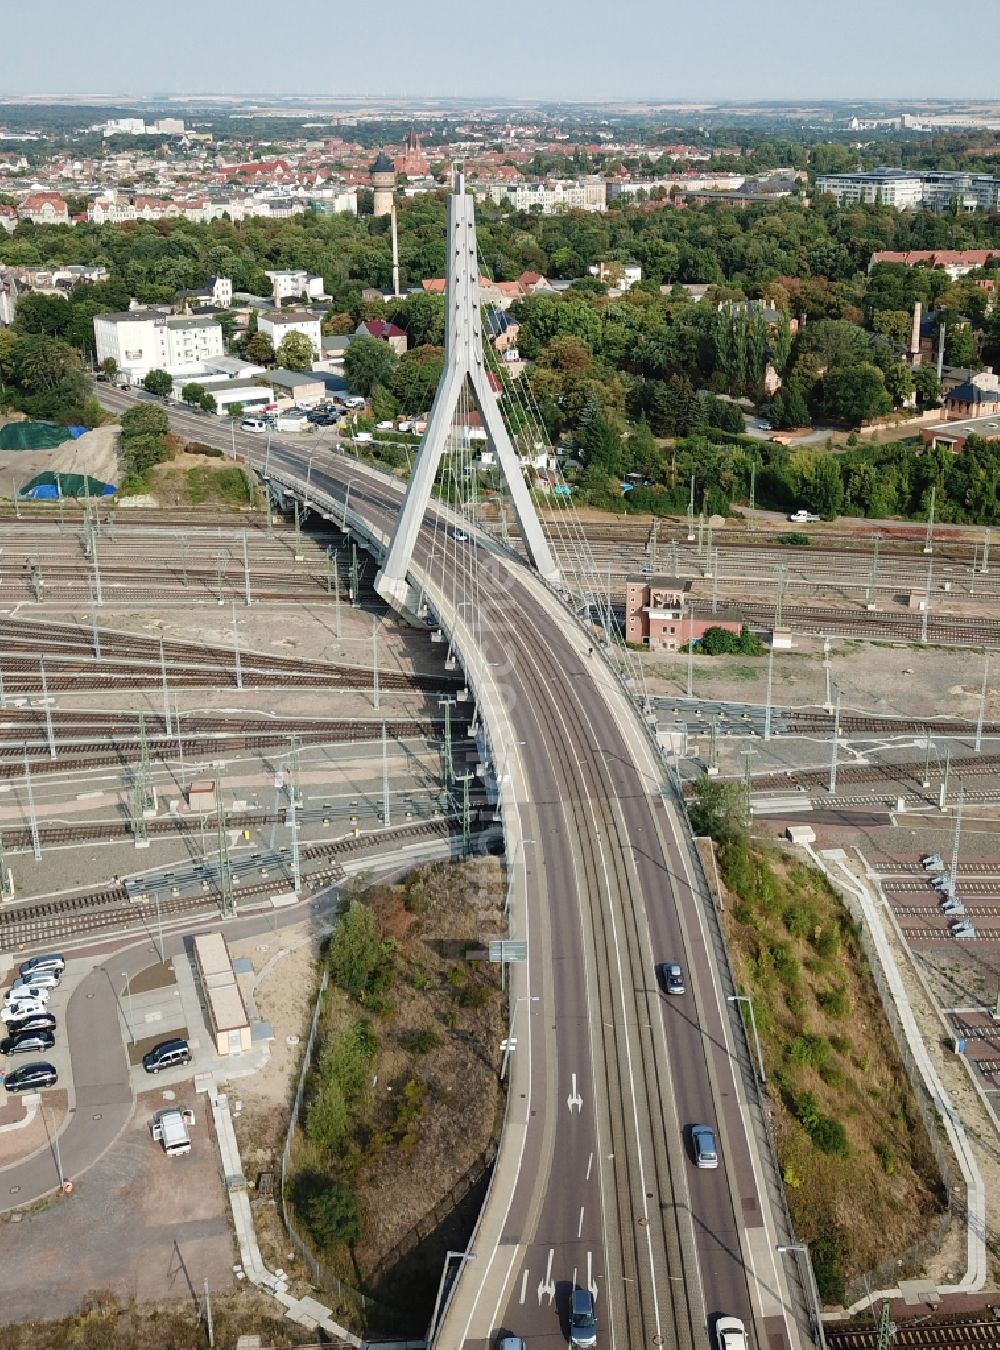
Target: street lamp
{"x":803,"y":1249}
{"x":461,"y":1257}
{"x":745,"y":998}
{"x":55,"y":1146}
{"x":521,"y":998}
{"x":127,"y":991}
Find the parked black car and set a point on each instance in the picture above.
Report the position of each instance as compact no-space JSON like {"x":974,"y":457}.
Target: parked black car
{"x":31,"y":1076}
{"x":43,"y":1021}
{"x":167,"y":1055}
{"x":23,"y":1042}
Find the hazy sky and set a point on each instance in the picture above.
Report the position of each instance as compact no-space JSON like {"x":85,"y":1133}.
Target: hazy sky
{"x":565,"y":49}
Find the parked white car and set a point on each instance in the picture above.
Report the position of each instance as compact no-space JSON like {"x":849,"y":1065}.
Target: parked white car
{"x":28,"y":1007}
{"x":38,"y":979}
{"x":23,"y":989}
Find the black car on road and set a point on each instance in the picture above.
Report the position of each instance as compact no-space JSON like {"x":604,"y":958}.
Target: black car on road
{"x":24,"y":1042}
{"x":31,"y":1076}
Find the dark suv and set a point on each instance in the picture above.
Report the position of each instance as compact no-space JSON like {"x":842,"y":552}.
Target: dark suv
{"x":167,"y":1055}
{"x":25,"y":1042}
{"x":31,"y":1076}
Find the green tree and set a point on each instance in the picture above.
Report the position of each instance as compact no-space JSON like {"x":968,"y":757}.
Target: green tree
{"x":332,"y":1216}
{"x":158,"y":382}
{"x":827,"y":487}
{"x":360,"y":959}
{"x":109,"y":367}
{"x":295,"y":352}
{"x":368,"y":361}
{"x":960,"y":347}
{"x":235,"y":411}
{"x":855,"y":394}
{"x":259,"y":349}
{"x":928,"y":386}
{"x":193,"y":394}
{"x":415,"y":379}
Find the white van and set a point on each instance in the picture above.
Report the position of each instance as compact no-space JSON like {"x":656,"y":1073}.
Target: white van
{"x":169,"y":1128}
{"x":253,"y":424}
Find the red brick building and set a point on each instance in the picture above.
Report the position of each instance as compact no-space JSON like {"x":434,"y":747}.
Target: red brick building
{"x":658,"y":616}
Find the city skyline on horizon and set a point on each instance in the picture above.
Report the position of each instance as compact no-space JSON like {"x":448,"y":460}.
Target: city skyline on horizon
{"x":807,"y":52}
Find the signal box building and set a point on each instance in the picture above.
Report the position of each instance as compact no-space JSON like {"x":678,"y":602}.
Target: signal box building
{"x":658,"y":615}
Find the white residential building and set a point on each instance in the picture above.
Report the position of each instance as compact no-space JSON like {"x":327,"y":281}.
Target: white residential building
{"x":584,"y":194}
{"x":295,"y":283}
{"x":936,"y":190}
{"x":277,"y":324}
{"x":141,"y":340}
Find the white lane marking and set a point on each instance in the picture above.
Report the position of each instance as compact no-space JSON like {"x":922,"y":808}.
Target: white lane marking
{"x":591,"y":1282}
{"x":524,"y":1284}
{"x":579,"y":1227}
{"x":548,"y":1285}
{"x":590,"y":1164}
{"x":574,"y":1100}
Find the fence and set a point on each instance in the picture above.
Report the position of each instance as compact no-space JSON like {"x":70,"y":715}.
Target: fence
{"x":325,"y":1279}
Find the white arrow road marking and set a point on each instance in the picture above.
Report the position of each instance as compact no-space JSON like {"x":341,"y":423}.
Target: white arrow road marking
{"x":524,"y":1284}
{"x":579,"y":1227}
{"x":574,"y":1099}
{"x":591,"y":1282}
{"x":548,"y":1285}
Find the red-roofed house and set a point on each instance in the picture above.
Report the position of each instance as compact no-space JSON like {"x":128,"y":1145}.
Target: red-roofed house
{"x":385,"y":332}
{"x":957,"y":262}
{"x":264,"y":168}
{"x":8,"y":219}
{"x":43,"y":208}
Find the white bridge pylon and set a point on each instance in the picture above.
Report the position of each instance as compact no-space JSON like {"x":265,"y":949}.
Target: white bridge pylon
{"x":463,"y":363}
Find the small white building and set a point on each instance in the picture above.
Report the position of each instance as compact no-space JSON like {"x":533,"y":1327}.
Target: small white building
{"x":294,"y":283}
{"x":277,"y":324}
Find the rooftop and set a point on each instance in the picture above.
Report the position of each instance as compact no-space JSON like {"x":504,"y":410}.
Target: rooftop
{"x":276,"y":316}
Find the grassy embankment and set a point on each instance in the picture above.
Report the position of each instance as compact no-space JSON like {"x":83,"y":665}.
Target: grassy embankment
{"x":861,"y":1180}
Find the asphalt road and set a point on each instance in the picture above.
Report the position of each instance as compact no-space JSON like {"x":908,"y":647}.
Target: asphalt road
{"x":606,"y":1193}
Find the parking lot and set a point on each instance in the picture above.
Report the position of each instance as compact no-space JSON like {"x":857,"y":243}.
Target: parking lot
{"x":161,"y":1222}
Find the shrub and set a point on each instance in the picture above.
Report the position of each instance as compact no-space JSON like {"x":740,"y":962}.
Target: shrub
{"x":886,"y":1157}
{"x":810,"y":1051}
{"x":835,"y":1002}
{"x":786,"y":966}
{"x":827,"y":1252}
{"x":829,"y":1136}
{"x":422,"y":1042}
{"x":827,"y":941}
{"x":331,"y":1216}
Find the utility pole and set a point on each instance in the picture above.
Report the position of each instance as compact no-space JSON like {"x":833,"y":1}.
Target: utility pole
{"x":982,"y":703}
{"x":97,"y":570}
{"x":929,"y":540}
{"x":385,"y":777}
{"x":227,"y":900}
{"x":779,"y":600}
{"x":36,"y":844}
{"x":449,"y":765}
{"x":208,"y":1317}
{"x":355,"y":577}
{"x":375,"y":661}
{"x":690,"y":534}
{"x":465,"y":780}
{"x":50,"y":733}
{"x":293,"y":819}
{"x":753,"y":484}
{"x":985,"y":565}
{"x":767,"y":704}
{"x":836,"y":742}
{"x":926,"y":781}
{"x":953,"y":870}
{"x":927,"y":603}
{"x":943,"y":794}
{"x":336,"y":592}
{"x":6,"y":876}
{"x":166,"y":693}
{"x":246,"y":570}
{"x":715,"y":579}
{"x":97,"y":641}
{"x":690,"y":645}
{"x":236,"y":649}
{"x":873,"y":573}
{"x":146,"y":796}
{"x":748,"y":782}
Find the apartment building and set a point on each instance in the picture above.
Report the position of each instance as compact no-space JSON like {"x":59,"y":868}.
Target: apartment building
{"x":294,"y":283}
{"x":933,"y":191}
{"x":583,"y":194}
{"x":141,"y":340}
{"x":277,"y":324}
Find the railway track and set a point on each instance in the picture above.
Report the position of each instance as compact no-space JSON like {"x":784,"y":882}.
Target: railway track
{"x":805,"y":722}
{"x":871,"y":773}
{"x":55,"y":921}
{"x":966,"y":1334}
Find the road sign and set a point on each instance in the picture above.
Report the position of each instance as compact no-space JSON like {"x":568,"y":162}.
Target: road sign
{"x":506,"y":950}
